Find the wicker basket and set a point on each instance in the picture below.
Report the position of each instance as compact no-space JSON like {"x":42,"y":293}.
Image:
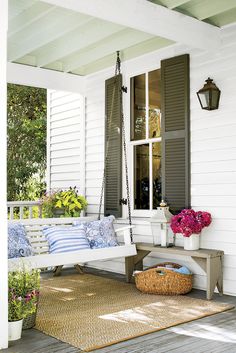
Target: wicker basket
{"x":164,"y":281}
{"x":29,"y":321}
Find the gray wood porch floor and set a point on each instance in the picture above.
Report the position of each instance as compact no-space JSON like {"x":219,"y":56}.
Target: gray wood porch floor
{"x":214,"y":334}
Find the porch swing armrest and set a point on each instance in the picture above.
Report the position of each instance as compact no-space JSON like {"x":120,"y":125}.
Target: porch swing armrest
{"x":126,"y":233}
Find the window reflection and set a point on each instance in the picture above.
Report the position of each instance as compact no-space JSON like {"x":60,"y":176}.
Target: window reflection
{"x":138,"y":108}
{"x":156,"y":172}
{"x":154,"y":104}
{"x":141,"y":176}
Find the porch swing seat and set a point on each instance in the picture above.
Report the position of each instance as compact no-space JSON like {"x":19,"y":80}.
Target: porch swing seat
{"x":43,"y":259}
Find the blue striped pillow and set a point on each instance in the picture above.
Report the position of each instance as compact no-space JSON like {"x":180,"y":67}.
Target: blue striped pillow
{"x":65,"y":239}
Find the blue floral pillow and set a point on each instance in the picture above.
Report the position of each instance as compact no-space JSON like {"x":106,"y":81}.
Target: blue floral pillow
{"x":100,"y":234}
{"x":18,"y":244}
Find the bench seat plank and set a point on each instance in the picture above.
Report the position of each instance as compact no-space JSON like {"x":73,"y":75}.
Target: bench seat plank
{"x":82,"y":256}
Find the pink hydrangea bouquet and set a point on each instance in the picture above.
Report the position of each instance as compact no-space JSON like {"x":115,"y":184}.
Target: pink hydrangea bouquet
{"x":188,"y":222}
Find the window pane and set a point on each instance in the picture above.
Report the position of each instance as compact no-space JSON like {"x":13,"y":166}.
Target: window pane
{"x":138,"y":108}
{"x":141,"y":177}
{"x":154,"y":104}
{"x":156,"y":171}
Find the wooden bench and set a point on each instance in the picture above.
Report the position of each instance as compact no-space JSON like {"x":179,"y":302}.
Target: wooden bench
{"x":211,"y":261}
{"x":43,"y":259}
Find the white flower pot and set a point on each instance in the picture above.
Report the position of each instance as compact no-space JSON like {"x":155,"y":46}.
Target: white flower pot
{"x":14,"y":330}
{"x":192,"y":242}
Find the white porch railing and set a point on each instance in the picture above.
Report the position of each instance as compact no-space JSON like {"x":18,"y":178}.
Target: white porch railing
{"x":24,"y":209}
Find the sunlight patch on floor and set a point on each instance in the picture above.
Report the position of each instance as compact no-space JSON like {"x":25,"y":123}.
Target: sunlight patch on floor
{"x":64,"y":290}
{"x":135,"y":315}
{"x":206,"y":331}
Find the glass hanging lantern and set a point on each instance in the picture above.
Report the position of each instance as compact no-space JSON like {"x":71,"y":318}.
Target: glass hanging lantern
{"x":160,"y":224}
{"x":209,"y":95}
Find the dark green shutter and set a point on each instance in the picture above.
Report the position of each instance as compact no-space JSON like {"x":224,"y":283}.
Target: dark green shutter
{"x":113,"y":147}
{"x":175,"y":132}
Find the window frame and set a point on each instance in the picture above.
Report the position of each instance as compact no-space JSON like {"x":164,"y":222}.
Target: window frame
{"x":147,"y":140}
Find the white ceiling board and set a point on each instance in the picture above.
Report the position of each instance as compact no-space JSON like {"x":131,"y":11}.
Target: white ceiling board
{"x":52,"y":26}
{"x":89,"y":34}
{"x":37,"y":77}
{"x":17,"y":6}
{"x":28,"y":16}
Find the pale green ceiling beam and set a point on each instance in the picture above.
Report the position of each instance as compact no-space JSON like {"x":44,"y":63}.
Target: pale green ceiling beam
{"x":171,"y":4}
{"x":224,"y":18}
{"x":202,"y":9}
{"x":44,"y":31}
{"x":17,"y":6}
{"x":127,"y":54}
{"x":28,"y":16}
{"x":118,"y":41}
{"x":90,"y":34}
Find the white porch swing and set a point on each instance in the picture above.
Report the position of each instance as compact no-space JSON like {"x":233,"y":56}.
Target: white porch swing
{"x":43,"y":259}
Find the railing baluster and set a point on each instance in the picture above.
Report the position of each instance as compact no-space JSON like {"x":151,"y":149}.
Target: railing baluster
{"x":22,"y":205}
{"x":30,"y":212}
{"x":11,"y":212}
{"x":21,"y":212}
{"x":40,"y":211}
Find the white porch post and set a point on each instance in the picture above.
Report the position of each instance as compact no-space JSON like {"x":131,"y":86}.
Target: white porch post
{"x":3,"y":183}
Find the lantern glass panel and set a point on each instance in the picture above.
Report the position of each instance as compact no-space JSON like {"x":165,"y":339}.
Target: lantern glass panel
{"x":205,"y":99}
{"x":215,"y":99}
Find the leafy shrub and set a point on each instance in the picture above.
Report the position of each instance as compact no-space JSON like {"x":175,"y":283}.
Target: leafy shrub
{"x":68,"y":201}
{"x":23,"y":292}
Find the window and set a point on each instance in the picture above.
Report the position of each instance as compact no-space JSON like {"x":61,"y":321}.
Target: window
{"x":146,"y":139}
{"x":159,"y":143}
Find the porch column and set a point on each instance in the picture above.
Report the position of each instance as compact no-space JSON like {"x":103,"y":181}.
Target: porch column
{"x":3,"y":183}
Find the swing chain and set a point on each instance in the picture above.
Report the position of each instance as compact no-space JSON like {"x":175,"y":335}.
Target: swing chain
{"x":123,"y":90}
{"x":126,"y":169}
{"x":118,"y":63}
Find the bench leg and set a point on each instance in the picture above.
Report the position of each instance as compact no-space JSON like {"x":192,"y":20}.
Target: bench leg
{"x":57,"y":270}
{"x":219,"y":283}
{"x":79,"y":269}
{"x":134,"y":263}
{"x":214,"y":276}
{"x":129,"y":268}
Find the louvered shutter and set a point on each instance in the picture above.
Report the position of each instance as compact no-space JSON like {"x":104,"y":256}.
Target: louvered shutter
{"x":113,"y":147}
{"x":175,"y":132}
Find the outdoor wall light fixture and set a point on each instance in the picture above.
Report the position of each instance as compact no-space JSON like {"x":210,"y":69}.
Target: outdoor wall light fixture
{"x":209,"y":95}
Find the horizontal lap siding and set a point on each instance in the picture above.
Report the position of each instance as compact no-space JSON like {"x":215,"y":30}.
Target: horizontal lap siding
{"x":213,"y":154}
{"x":213,"y":151}
{"x":94,"y":150}
{"x":64,"y":140}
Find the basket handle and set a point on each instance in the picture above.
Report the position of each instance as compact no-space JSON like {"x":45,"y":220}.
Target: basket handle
{"x":160,"y":272}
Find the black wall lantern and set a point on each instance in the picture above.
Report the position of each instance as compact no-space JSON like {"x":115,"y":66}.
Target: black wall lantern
{"x":209,"y":95}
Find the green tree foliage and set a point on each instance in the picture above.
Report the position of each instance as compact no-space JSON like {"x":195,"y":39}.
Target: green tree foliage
{"x":26,"y":155}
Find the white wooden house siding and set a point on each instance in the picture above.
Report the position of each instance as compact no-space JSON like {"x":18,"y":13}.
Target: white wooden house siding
{"x":65,"y":140}
{"x":213,"y":149}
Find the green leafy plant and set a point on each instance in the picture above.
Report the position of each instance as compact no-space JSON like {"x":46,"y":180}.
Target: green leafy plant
{"x":69,"y":202}
{"x":23,"y":292}
{"x":26,"y":142}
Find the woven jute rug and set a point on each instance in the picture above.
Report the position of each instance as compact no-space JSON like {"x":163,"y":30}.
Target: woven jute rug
{"x":91,"y":312}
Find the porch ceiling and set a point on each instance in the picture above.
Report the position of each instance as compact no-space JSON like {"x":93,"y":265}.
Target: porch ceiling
{"x":45,"y":35}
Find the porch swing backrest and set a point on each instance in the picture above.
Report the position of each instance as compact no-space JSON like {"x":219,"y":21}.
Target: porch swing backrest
{"x":42,"y":258}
